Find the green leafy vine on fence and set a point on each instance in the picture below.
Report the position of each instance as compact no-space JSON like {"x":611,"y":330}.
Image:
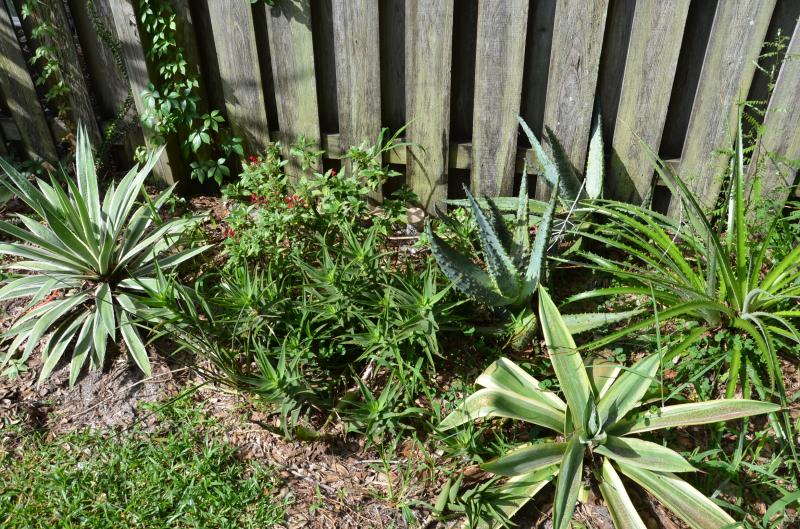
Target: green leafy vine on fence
{"x":171,"y":108}
{"x":45,"y":55}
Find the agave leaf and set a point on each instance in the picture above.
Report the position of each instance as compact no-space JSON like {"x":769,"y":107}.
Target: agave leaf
{"x":602,"y":374}
{"x":526,"y":459}
{"x":130,"y":334}
{"x":56,"y":310}
{"x":643,"y":454}
{"x":502,"y":403}
{"x":623,"y":512}
{"x":519,"y":490}
{"x":505,"y":374}
{"x":87,"y":177}
{"x":688,"y":503}
{"x":567,"y":363}
{"x":465,"y":275}
{"x":501,"y":268}
{"x":691,"y":414}
{"x":594,"y":162}
{"x":628,"y":390}
{"x":58,"y":343}
{"x":23,"y":286}
{"x":588,"y":321}
{"x":568,"y":485}
{"x":83,"y":346}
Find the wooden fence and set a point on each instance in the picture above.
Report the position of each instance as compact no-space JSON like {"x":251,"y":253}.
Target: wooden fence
{"x":668,"y":72}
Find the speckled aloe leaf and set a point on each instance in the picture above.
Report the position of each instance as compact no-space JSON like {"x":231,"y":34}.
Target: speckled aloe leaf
{"x":537,"y":261}
{"x":623,"y":512}
{"x":502,"y":403}
{"x":527,"y":459}
{"x":465,"y":275}
{"x":569,"y":185}
{"x":501,"y":267}
{"x":505,"y":374}
{"x":688,"y":503}
{"x":594,"y":162}
{"x":521,"y":241}
{"x":550,"y":170}
{"x":643,"y":454}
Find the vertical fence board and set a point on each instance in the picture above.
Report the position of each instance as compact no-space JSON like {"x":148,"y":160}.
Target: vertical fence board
{"x":498,"y":90}
{"x":733,"y":47}
{"x":358,"y":74}
{"x":169,"y":165}
{"x":355,"y":33}
{"x":393,"y":70}
{"x":574,"y":60}
{"x":79,"y":104}
{"x":109,"y":86}
{"x":234,"y":36}
{"x":19,"y":93}
{"x":781,"y":128}
{"x":292,"y":52}
{"x":653,"y":50}
{"x":429,"y":29}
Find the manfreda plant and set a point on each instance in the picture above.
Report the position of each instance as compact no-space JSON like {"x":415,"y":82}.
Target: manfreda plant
{"x":85,"y":262}
{"x":595,"y":428}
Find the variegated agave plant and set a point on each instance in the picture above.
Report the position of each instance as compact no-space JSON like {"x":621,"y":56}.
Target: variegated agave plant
{"x":514,"y":266}
{"x":595,"y":427}
{"x":84,"y":263}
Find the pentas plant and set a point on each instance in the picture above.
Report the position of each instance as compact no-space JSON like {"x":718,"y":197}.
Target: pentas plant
{"x":595,"y":428}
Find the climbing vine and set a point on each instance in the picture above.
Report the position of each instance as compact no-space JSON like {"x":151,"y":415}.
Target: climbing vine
{"x":45,"y":55}
{"x":171,"y":107}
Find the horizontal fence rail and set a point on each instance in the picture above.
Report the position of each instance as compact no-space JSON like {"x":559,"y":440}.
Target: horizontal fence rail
{"x":667,"y":73}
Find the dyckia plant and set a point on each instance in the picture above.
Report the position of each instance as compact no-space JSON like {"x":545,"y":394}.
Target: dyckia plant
{"x":595,"y":427}
{"x":85,"y":263}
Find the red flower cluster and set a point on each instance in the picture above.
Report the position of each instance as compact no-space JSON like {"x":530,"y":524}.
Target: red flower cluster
{"x":255,"y":199}
{"x":228,"y":232}
{"x":254,"y":160}
{"x":333,"y":172}
{"x":292,"y":201}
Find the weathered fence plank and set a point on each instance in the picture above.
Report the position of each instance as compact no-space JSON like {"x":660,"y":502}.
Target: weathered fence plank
{"x":169,"y":166}
{"x":109,"y":85}
{"x":19,"y":93}
{"x":233,"y":32}
{"x":780,"y":142}
{"x":572,"y":79}
{"x":429,"y":27}
{"x":358,"y":75}
{"x":292,"y":51}
{"x":653,"y":51}
{"x":498,"y":91}
{"x":737,"y":34}
{"x":78,"y":105}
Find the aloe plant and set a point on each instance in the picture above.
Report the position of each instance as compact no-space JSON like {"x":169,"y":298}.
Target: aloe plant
{"x":85,"y":263}
{"x":596,"y":426}
{"x":514,"y":266}
{"x":559,"y":174}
